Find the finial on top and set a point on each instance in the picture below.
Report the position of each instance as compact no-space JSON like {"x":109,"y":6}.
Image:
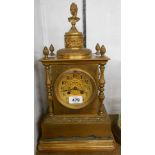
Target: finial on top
{"x":73,"y":9}
{"x":73,"y":38}
{"x":74,"y":18}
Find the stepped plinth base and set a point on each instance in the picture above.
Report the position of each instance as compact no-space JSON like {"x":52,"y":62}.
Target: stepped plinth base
{"x":77,"y":144}
{"x":87,"y":132}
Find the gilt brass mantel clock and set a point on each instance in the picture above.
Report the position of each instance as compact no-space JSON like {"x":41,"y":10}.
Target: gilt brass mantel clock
{"x":76,"y":119}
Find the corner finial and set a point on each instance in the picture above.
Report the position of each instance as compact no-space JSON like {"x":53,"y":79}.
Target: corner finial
{"x":97,"y":49}
{"x":45,"y":52}
{"x":51,"y":48}
{"x":102,"y":50}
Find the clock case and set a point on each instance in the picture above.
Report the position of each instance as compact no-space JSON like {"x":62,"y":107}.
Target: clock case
{"x":65,"y":129}
{"x":91,"y":108}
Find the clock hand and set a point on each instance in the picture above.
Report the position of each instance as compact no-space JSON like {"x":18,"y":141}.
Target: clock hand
{"x":81,"y":91}
{"x":75,"y":88}
{"x":66,"y":90}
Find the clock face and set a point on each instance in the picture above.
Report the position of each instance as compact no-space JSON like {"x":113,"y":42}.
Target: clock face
{"x":75,"y":89}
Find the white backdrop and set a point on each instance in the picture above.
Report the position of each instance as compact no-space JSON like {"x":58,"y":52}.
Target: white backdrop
{"x":103,"y":26}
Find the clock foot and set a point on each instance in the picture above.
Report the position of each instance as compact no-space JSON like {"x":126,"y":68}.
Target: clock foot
{"x":51,"y":114}
{"x":101,"y":113}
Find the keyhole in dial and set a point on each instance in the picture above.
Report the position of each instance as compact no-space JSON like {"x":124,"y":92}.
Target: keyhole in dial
{"x":81,"y":92}
{"x":75,"y":88}
{"x":68,"y":92}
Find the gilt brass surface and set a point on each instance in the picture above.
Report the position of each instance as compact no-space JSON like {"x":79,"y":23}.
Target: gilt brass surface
{"x":75,"y":82}
{"x":86,"y":61}
{"x":74,"y":53}
{"x":74,"y":73}
{"x":76,"y":125}
{"x":78,"y":145}
{"x":56,"y":70}
{"x":74,"y":40}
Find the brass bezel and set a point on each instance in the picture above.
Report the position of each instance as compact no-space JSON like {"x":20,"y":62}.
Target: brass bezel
{"x":65,"y":104}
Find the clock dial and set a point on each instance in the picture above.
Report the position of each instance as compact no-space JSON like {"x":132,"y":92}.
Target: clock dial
{"x":75,"y":89}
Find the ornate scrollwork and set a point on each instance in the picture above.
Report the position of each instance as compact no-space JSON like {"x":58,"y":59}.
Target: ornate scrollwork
{"x":74,"y":42}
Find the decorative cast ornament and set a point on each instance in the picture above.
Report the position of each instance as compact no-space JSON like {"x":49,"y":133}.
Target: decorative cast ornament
{"x":74,"y":18}
{"x":102,"y":50}
{"x":46,"y":52}
{"x":97,"y":49}
{"x":51,"y":48}
{"x":73,"y":9}
{"x":75,"y":88}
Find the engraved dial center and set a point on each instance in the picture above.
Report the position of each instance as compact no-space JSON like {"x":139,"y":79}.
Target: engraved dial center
{"x":75,"y":85}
